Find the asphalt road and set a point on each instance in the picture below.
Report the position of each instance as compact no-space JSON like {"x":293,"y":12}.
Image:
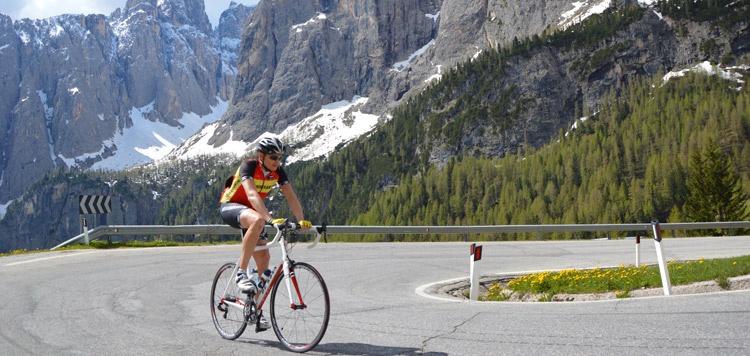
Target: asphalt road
{"x":155,"y":302}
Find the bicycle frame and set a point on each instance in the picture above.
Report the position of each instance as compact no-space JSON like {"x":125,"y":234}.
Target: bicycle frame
{"x":283,"y":268}
{"x":299,"y":325}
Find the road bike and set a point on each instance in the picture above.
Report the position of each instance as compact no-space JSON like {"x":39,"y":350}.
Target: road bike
{"x":299,"y":303}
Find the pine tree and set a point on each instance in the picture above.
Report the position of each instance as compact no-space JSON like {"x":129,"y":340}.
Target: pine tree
{"x":714,"y":190}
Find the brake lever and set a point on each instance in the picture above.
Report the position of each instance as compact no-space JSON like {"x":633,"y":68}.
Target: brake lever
{"x":323,"y":231}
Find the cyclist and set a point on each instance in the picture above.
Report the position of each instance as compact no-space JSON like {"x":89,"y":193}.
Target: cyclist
{"x":242,"y":206}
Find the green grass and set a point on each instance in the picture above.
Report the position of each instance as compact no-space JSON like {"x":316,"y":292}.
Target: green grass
{"x":20,"y":252}
{"x":102,"y":244}
{"x":620,"y":280}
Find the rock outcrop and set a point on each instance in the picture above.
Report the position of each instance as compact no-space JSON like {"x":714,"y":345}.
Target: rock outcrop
{"x":70,"y":83}
{"x":294,"y":58}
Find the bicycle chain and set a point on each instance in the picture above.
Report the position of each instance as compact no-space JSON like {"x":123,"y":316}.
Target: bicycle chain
{"x":250,"y":309}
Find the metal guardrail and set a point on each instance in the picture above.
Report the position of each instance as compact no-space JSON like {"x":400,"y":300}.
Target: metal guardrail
{"x":133,"y":230}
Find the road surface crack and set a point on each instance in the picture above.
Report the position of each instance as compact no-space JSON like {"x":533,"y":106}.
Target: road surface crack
{"x":452,"y":331}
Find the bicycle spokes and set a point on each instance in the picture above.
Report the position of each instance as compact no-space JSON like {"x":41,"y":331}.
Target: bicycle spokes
{"x":226,"y":307}
{"x":300,"y":324}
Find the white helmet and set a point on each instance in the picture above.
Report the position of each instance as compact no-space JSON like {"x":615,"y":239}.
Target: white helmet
{"x":271,"y":145}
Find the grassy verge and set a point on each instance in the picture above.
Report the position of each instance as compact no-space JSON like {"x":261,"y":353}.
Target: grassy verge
{"x":620,"y":280}
{"x":100,"y":244}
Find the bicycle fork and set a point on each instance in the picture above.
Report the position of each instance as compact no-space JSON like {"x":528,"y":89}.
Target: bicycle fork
{"x":291,"y":280}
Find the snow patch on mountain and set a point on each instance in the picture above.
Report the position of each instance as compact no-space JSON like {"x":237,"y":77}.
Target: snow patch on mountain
{"x":400,"y":66}
{"x":728,"y":73}
{"x":582,"y":10}
{"x":318,"y":135}
{"x":147,"y":141}
{"x":335,"y":124}
{"x":319,"y":16}
{"x":198,"y":145}
{"x":4,"y":208}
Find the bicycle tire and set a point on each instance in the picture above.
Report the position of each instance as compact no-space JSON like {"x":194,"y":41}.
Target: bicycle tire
{"x":300,"y":329}
{"x":229,"y":322}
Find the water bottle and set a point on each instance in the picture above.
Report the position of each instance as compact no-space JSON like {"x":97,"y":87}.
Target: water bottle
{"x":264,"y":278}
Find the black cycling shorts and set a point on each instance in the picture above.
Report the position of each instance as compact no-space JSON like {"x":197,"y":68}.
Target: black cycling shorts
{"x":230,"y":213}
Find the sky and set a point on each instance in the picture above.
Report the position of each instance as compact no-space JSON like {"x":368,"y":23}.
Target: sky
{"x":36,"y":9}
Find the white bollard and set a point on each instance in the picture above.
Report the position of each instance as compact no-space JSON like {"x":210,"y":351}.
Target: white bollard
{"x":86,"y":231}
{"x":637,"y":250}
{"x":664,"y":271}
{"x":476,"y":255}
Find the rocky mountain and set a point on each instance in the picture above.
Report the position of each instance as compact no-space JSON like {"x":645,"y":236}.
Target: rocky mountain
{"x":296,"y":59}
{"x":93,"y":91}
{"x":351,"y":62}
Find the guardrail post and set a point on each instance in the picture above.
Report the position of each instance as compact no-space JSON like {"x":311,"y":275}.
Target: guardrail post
{"x":637,"y":250}
{"x":664,"y":271}
{"x":476,"y":255}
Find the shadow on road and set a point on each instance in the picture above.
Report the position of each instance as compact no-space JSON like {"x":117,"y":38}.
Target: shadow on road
{"x":353,"y":348}
{"x":350,"y":348}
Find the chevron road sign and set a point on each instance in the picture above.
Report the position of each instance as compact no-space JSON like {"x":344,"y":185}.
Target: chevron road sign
{"x":94,"y":204}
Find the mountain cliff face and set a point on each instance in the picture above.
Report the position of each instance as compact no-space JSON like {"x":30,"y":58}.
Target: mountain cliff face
{"x":296,"y":59}
{"x":73,"y":84}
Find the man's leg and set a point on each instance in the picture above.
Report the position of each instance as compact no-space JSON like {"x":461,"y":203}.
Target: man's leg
{"x":253,"y":222}
{"x":262,"y":257}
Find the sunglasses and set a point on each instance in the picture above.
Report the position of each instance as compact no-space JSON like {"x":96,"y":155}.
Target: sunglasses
{"x":274,"y":157}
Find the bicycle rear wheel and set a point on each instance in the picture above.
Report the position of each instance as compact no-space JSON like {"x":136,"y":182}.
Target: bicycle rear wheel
{"x":300,"y":326}
{"x":229,"y":321}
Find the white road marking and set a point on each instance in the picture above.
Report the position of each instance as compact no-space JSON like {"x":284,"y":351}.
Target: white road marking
{"x":46,"y":258}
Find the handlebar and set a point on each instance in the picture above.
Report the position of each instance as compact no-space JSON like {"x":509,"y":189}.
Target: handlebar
{"x":290,"y":226}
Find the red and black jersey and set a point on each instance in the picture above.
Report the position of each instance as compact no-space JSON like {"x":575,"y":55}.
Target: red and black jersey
{"x":264,"y":181}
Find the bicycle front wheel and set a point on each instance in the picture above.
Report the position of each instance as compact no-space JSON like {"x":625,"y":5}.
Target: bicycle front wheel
{"x":229,"y":320}
{"x":300,"y":319}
